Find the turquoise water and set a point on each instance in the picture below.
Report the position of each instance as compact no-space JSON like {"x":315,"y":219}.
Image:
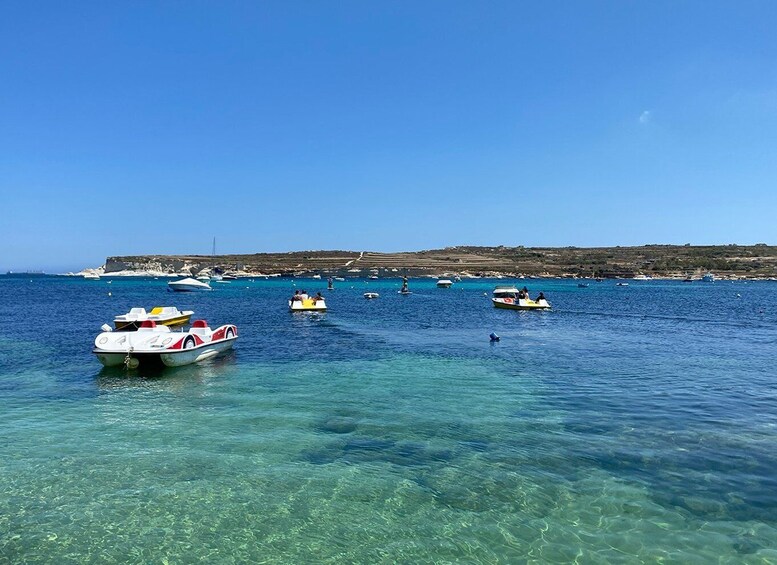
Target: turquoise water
{"x":628,"y":424}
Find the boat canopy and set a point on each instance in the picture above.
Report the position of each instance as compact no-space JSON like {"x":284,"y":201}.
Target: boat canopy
{"x":505,"y":290}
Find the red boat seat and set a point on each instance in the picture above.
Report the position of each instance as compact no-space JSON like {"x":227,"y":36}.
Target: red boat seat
{"x":200,"y":324}
{"x":148,"y":324}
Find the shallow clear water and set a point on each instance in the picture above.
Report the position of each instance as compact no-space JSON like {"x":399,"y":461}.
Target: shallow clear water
{"x":628,"y":424}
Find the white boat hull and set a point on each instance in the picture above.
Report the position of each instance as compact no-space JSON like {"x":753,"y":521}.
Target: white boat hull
{"x":520,"y":304}
{"x":188,"y":285}
{"x":161,"y":346}
{"x":307,"y":305}
{"x":170,"y":359}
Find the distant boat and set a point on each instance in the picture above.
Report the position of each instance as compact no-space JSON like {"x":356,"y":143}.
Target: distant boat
{"x":373,"y":277}
{"x":621,"y":284}
{"x":709,"y":277}
{"x":371,"y":295}
{"x":582,"y":285}
{"x":341,"y":279}
{"x":188,"y":285}
{"x":642,"y":278}
{"x":228,"y":277}
{"x":316,"y":276}
{"x":444,"y":283}
{"x":92,"y":276}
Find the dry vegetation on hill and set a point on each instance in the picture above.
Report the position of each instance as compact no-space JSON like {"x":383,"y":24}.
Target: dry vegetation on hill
{"x":656,"y":260}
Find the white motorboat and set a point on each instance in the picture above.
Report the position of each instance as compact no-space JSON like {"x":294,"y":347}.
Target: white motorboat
{"x":340,"y":279}
{"x":510,"y":298}
{"x":371,"y":295}
{"x":92,"y":276}
{"x":162,"y":315}
{"x":642,"y":277}
{"x":444,"y":283}
{"x":188,"y":285}
{"x":153,"y":344}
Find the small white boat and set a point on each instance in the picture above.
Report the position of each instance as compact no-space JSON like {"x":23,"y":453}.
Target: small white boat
{"x":228,"y":277}
{"x":162,"y":315}
{"x":509,"y":298}
{"x":188,"y":285}
{"x":371,"y":295}
{"x":316,"y":276}
{"x":444,"y":283}
{"x":307,"y":304}
{"x":204,"y":278}
{"x":621,"y":284}
{"x":373,"y":277}
{"x":92,"y":276}
{"x":642,"y":277}
{"x":153,"y":344}
{"x":340,"y":279}
{"x":709,"y":277}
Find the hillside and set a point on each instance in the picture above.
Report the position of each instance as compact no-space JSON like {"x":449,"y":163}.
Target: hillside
{"x":756,"y":261}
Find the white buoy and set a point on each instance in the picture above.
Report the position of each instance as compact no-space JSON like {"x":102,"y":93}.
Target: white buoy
{"x":109,"y":294}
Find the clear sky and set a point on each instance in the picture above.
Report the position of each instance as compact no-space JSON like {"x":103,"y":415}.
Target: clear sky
{"x":151,"y":127}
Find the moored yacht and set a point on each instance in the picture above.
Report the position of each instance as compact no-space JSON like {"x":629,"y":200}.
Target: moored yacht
{"x":444,"y":283}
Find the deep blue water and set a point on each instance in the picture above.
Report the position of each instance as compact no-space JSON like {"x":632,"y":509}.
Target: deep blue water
{"x":628,"y":424}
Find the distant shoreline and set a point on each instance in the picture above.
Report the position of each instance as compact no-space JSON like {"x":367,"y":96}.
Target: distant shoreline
{"x":656,"y":261}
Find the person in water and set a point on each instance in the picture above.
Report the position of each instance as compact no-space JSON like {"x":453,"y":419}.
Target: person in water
{"x":540,"y":296}
{"x":318,"y":296}
{"x":404,"y":284}
{"x":296,"y":297}
{"x":329,"y":285}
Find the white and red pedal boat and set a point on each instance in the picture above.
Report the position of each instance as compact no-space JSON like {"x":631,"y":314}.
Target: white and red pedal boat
{"x":154,"y":344}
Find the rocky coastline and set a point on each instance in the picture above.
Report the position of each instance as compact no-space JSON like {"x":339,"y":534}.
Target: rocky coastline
{"x":656,"y":261}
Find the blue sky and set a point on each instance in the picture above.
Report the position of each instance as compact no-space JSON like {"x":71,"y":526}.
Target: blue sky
{"x":151,"y":127}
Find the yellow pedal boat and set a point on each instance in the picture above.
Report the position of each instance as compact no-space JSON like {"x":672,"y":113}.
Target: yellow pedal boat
{"x":507,"y":297}
{"x":162,"y":315}
{"x":307,"y":304}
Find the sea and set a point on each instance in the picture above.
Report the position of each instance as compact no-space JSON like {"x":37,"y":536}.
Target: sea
{"x":629,"y":424}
